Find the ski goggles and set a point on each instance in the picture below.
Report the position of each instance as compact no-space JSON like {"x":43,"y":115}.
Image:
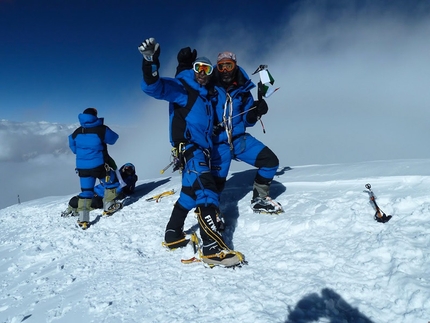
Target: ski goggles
{"x":203,"y":67}
{"x":227,"y":66}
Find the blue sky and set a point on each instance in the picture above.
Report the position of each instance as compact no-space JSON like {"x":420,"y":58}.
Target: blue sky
{"x":353,"y":78}
{"x":347,"y":70}
{"x":59,"y":57}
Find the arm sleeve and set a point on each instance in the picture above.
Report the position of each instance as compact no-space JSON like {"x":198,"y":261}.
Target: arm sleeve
{"x":110,"y":136}
{"x":72,"y":144}
{"x":167,"y":89}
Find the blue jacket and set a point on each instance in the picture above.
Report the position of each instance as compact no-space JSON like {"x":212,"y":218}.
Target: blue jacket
{"x":88,"y":142}
{"x":111,"y":181}
{"x":235,"y":113}
{"x":190,"y":110}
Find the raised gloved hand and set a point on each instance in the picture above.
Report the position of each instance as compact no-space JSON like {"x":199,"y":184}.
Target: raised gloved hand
{"x":186,"y":58}
{"x":260,"y":109}
{"x":150,"y":49}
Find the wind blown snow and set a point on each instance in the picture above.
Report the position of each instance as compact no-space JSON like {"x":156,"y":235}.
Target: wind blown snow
{"x":324,"y":260}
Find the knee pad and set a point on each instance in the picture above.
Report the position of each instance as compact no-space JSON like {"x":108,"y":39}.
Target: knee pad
{"x":266,"y":158}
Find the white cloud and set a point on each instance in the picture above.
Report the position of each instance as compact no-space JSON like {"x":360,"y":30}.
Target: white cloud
{"x":353,"y":87}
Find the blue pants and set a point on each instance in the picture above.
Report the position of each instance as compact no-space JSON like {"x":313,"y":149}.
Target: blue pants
{"x":87,"y":187}
{"x":198,"y":190}
{"x":198,"y":185}
{"x":249,"y":150}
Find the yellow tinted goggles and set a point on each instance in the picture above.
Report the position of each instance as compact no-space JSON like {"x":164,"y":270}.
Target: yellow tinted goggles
{"x":203,"y":67}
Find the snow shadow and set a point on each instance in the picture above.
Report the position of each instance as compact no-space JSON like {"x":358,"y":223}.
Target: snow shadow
{"x":143,"y":189}
{"x":330,"y":306}
{"x":237,"y":187}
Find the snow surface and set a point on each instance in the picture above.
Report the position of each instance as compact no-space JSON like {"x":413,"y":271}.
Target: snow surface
{"x":324,"y":260}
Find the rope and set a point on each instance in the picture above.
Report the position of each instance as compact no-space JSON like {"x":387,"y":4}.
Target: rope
{"x":227,"y":119}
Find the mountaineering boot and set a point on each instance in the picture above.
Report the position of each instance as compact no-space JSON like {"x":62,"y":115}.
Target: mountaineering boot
{"x":69,"y":212}
{"x":83,"y":225}
{"x":174,"y":236}
{"x":215,"y":251}
{"x":173,"y":241}
{"x":110,"y":206}
{"x":214,"y":255}
{"x":84,"y":207}
{"x":266,"y":205}
{"x":261,"y":201}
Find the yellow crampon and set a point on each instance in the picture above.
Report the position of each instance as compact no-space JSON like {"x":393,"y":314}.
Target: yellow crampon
{"x":195,"y":242}
{"x":168,"y":244}
{"x":219,"y":240}
{"x":222,"y":255}
{"x":158,"y":197}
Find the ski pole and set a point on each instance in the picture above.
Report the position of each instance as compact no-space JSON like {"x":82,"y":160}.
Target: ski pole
{"x":380,"y":216}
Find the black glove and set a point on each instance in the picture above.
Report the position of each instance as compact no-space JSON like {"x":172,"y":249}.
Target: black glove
{"x":260,"y":109}
{"x":186,"y":58}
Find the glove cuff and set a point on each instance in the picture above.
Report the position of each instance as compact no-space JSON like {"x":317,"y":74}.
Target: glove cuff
{"x":148,"y":58}
{"x":150,"y":71}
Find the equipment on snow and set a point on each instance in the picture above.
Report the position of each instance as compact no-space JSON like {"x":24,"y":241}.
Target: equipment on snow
{"x":158,"y":197}
{"x":380,"y":216}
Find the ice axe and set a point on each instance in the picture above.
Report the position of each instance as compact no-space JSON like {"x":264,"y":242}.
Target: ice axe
{"x":380,"y":216}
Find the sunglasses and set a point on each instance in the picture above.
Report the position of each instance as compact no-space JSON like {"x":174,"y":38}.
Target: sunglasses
{"x":202,"y":67}
{"x":227,"y":66}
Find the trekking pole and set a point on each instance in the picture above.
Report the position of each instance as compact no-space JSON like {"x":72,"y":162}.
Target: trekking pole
{"x":380,"y":216}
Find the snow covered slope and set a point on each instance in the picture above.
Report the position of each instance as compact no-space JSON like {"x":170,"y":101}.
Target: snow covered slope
{"x":324,"y":260}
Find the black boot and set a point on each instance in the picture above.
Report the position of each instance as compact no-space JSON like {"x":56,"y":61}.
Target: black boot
{"x":215,"y":251}
{"x":174,"y":236}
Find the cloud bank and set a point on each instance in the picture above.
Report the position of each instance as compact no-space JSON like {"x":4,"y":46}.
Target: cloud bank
{"x":353,"y":87}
